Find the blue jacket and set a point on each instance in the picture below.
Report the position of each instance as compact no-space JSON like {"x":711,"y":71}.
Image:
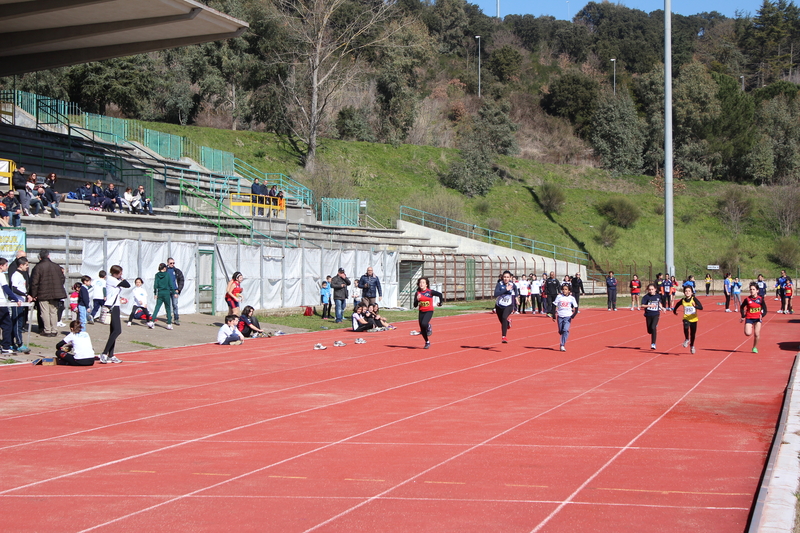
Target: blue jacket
{"x":370,"y":286}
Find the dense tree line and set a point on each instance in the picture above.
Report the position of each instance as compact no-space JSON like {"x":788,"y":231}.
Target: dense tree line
{"x":363,"y":70}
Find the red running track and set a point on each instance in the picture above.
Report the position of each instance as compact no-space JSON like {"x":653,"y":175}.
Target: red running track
{"x":471,"y":435}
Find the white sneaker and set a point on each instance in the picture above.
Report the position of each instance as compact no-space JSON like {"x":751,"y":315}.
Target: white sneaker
{"x":414,"y":332}
{"x":319,"y":346}
{"x":129,"y":324}
{"x":360,"y":341}
{"x":780,"y":312}
{"x":692,"y":349}
{"x":686,"y":343}
{"x":727,"y":310}
{"x":339,"y":343}
{"x":114,"y":359}
{"x":652,"y":346}
{"x":103,"y":358}
{"x":563,"y":348}
{"x":149,"y":325}
{"x":62,"y":325}
{"x":169,"y":326}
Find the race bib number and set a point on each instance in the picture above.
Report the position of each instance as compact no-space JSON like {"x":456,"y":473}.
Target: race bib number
{"x":689,"y":310}
{"x":425,"y":304}
{"x":504,"y":301}
{"x":653,"y":306}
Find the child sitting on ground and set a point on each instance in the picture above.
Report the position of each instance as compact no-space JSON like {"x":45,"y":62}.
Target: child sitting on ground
{"x":76,"y":348}
{"x":140,"y":304}
{"x":360,"y":320}
{"x":229,"y":334}
{"x":248,"y":323}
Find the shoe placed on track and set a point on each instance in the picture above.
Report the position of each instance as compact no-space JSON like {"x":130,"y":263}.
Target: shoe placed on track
{"x":319,"y":346}
{"x":339,"y":343}
{"x":360,"y":341}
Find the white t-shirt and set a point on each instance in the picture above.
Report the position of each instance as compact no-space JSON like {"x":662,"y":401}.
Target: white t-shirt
{"x":524,"y":287}
{"x":356,"y":323}
{"x":226,"y":331}
{"x":18,"y":282}
{"x":139,"y":296}
{"x":81,"y":345}
{"x":536,"y":286}
{"x":97,"y":289}
{"x":565,"y":304}
{"x":112,"y":292}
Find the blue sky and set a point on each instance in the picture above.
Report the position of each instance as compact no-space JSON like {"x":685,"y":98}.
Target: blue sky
{"x":558,"y":8}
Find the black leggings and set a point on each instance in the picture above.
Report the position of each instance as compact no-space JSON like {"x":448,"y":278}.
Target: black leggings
{"x":727,"y":300}
{"x":536,"y":302}
{"x":612,"y":298}
{"x":502,"y":315}
{"x":424,"y":319}
{"x":145,"y":314}
{"x":652,"y":326}
{"x":689,"y":331}
{"x":523,"y":301}
{"x":114,"y":331}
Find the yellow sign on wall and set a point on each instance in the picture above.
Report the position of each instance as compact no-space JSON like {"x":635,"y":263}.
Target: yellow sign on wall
{"x":7,"y":168}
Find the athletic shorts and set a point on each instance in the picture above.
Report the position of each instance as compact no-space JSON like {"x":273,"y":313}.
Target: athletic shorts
{"x":752,"y":320}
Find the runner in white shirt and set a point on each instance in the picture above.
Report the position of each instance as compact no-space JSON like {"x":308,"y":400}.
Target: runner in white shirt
{"x":566,"y":309}
{"x":524,"y":288}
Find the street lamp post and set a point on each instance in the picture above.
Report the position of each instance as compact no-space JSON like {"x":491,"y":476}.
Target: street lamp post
{"x":614,"y":61}
{"x":479,"y":65}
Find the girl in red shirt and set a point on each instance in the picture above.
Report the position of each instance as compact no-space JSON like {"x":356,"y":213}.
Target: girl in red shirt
{"x":753,"y":309}
{"x":424,"y":300}
{"x":636,"y":289}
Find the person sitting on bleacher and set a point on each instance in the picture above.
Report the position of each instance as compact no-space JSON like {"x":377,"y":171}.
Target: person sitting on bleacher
{"x":97,"y":196}
{"x":128,"y":201}
{"x":14,"y":209}
{"x":36,"y":205}
{"x":84,"y":193}
{"x":111,"y":198}
{"x":145,"y":204}
{"x":51,"y":199}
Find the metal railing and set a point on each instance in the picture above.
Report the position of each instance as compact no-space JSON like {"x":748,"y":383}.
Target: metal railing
{"x":222,"y":216}
{"x":290,"y":187}
{"x":339,"y":211}
{"x":472,"y":231}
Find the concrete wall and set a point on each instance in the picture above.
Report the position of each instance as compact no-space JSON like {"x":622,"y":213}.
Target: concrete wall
{"x":526,"y":262}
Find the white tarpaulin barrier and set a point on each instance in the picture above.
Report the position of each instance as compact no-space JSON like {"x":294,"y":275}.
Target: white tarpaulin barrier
{"x":273,"y":277}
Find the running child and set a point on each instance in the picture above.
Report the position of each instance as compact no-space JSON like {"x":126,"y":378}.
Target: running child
{"x":652,"y":312}
{"x":423,"y":299}
{"x":690,"y":307}
{"x":636,"y":289}
{"x":504,"y":303}
{"x":566,"y":309}
{"x":753,"y":310}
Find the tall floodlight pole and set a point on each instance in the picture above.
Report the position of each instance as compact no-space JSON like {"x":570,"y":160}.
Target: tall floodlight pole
{"x":669,"y":248}
{"x":498,"y":8}
{"x":567,"y":9}
{"x":614,"y":61}
{"x":479,"y":65}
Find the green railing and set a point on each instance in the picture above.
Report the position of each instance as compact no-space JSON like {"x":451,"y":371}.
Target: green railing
{"x":222,"y":216}
{"x":472,"y":231}
{"x":339,"y":211}
{"x":290,"y":187}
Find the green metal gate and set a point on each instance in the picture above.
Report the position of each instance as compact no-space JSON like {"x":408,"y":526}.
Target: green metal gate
{"x":469,"y":279}
{"x":339,"y":211}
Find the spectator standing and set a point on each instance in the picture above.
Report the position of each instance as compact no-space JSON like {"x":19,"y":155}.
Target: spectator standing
{"x":611,"y":290}
{"x":255,"y":197}
{"x":84,"y":302}
{"x":273,"y":198}
{"x":551,"y":289}
{"x":114,"y":285}
{"x":98,"y":293}
{"x":577,"y":289}
{"x":6,"y":298}
{"x":178,"y":281}
{"x":370,"y":286}
{"x":19,"y":315}
{"x":325,"y":294}
{"x":163,"y":289}
{"x":47,"y":287}
{"x":20,"y":181}
{"x":339,"y":283}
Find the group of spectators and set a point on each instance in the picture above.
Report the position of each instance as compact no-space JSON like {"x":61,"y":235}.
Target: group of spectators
{"x":109,"y":199}
{"x":31,"y":196}
{"x":263,"y":194}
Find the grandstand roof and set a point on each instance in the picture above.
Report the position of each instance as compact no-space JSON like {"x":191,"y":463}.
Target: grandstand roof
{"x":43,"y":34}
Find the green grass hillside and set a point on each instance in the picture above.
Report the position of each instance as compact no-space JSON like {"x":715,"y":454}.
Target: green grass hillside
{"x":408,"y":175}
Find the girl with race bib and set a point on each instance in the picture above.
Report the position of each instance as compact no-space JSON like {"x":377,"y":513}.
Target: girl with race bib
{"x":566,"y":309}
{"x":690,"y":307}
{"x":636,"y":289}
{"x":423,"y":299}
{"x":753,"y":309}
{"x":652,"y":312}
{"x":504,"y":293}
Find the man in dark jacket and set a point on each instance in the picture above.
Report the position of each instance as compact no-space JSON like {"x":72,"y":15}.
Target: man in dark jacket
{"x":577,"y":288}
{"x":339,"y":283}
{"x":14,"y":209}
{"x":47,"y":288}
{"x":370,"y":287}
{"x":177,"y":280}
{"x":112,"y":198}
{"x":551,"y":288}
{"x":19,"y":180}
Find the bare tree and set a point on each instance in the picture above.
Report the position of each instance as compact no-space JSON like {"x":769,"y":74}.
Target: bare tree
{"x":734,"y":209}
{"x":329,"y":38}
{"x":785,"y":206}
